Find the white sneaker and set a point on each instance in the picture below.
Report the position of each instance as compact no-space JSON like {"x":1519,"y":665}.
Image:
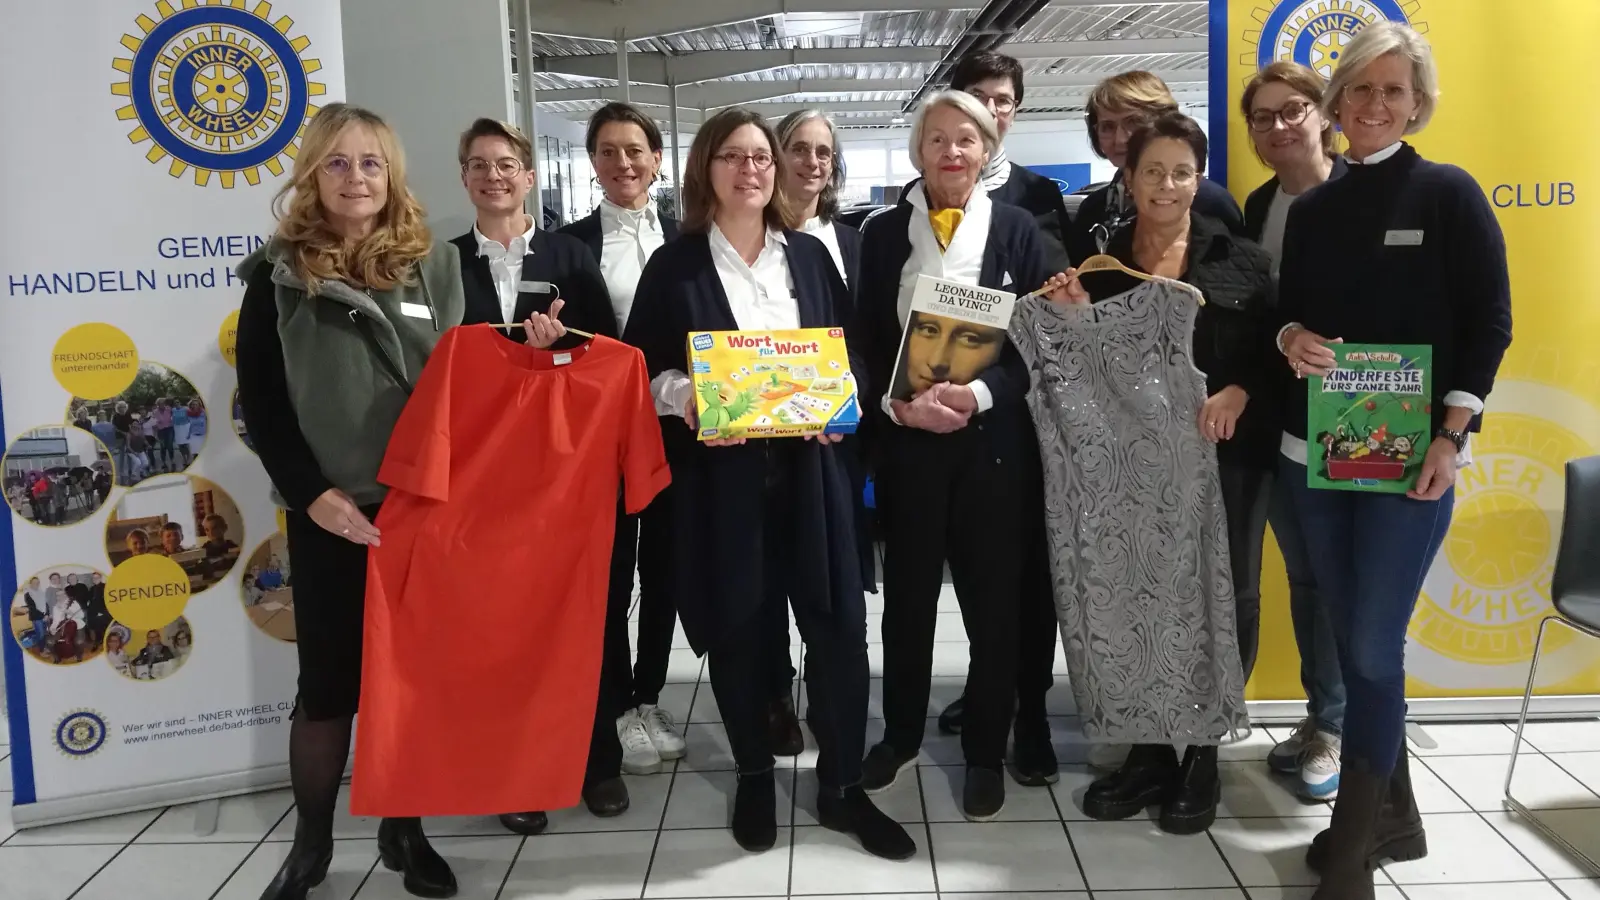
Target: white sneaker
{"x":1108,"y":757}
{"x":639,"y":756}
{"x":663,"y":732}
{"x":1319,"y":766}
{"x":1285,"y":757}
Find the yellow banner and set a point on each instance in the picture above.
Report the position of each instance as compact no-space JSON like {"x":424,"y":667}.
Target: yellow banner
{"x":1518,"y":79}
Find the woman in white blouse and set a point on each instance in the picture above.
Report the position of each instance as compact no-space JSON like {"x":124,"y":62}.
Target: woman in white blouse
{"x":815,"y":178}
{"x":760,"y":522}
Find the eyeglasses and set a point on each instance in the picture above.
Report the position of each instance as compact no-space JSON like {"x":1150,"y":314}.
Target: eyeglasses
{"x":1391,"y":94}
{"x":1108,"y":128}
{"x":735,"y":159}
{"x":1155,"y":176}
{"x":507,"y":166}
{"x":802,"y":151}
{"x":1290,"y":114}
{"x":1001,"y":103}
{"x":340,"y":166}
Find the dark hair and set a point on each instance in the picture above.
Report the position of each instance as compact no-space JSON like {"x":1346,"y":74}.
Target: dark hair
{"x":172,"y":526}
{"x":627,"y":114}
{"x":700,"y":198}
{"x":984,"y":65}
{"x":1174,"y":125}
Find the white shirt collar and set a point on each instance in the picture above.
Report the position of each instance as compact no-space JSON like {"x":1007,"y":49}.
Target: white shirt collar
{"x":490,"y":247}
{"x":815,"y":224}
{"x":919,"y":199}
{"x":1378,"y":157}
{"x":615,"y":216}
{"x":720,"y":242}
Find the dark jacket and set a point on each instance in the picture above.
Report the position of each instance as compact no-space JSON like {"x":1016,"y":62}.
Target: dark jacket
{"x":1234,"y":334}
{"x":1259,"y":202}
{"x":1403,"y":251}
{"x":718,"y":495}
{"x":850,"y":250}
{"x":588,"y":230}
{"x":1039,"y":196}
{"x":1211,"y":200}
{"x":554,"y":257}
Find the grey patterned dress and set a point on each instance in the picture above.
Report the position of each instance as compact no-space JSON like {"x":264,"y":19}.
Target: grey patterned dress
{"x":1138,"y":537}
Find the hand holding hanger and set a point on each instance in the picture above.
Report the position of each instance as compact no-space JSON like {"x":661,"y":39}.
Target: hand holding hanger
{"x":544,"y":330}
{"x":1064,"y":288}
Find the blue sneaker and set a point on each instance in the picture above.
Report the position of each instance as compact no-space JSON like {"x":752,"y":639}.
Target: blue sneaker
{"x":1285,"y":758}
{"x":1319,"y":767}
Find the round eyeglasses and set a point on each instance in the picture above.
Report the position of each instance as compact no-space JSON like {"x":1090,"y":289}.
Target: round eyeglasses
{"x":1290,"y":114}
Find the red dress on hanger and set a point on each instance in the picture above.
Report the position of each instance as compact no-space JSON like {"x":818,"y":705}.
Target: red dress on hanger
{"x":485,"y":607}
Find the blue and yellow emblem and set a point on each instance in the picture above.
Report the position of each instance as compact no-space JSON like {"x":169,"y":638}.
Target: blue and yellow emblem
{"x":81,"y":733}
{"x":218,"y":88}
{"x":1314,"y":32}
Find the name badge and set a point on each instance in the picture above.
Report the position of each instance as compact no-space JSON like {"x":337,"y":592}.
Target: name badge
{"x":1403,"y":238}
{"x":541,"y":287}
{"x":415,"y":311}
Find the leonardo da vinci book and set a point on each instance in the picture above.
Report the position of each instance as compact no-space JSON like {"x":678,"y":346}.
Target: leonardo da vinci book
{"x":953,"y":332}
{"x":1370,"y":419}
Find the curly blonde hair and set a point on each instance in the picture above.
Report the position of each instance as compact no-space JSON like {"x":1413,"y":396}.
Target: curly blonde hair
{"x":318,"y":253}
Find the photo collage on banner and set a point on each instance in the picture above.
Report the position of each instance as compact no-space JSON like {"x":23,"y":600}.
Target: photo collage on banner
{"x":149,"y":656}
{"x":1481,"y":605}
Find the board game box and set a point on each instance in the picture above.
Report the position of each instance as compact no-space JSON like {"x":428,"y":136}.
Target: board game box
{"x":1369,"y":420}
{"x":766,"y":384}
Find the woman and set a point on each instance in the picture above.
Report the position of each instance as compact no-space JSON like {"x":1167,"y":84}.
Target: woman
{"x":197,"y":428}
{"x":1421,"y":260}
{"x":165,"y":432}
{"x":956,"y":465}
{"x":1118,"y":107}
{"x":115,"y":654}
{"x":1282,"y":105}
{"x":342,"y":308}
{"x":776,"y":514}
{"x":1233,"y":345}
{"x":66,"y":620}
{"x":632,"y":732}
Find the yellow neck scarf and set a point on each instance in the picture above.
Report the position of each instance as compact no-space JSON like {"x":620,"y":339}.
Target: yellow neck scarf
{"x":945,"y":222}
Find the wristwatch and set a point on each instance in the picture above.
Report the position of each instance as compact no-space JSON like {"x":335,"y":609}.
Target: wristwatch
{"x":1459,"y":438}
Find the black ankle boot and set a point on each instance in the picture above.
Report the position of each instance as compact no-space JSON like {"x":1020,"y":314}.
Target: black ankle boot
{"x":1143,"y":781}
{"x":1346,"y":871}
{"x":1192,"y":806}
{"x":1398,"y":836}
{"x":954,"y":716}
{"x":854,"y":813}
{"x":306,"y":866}
{"x":755,"y":812}
{"x":403,"y":848}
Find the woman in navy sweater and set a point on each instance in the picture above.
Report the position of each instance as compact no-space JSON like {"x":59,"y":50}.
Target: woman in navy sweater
{"x":1399,"y":251}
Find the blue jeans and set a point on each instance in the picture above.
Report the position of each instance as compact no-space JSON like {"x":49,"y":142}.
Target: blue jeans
{"x":1313,"y":630}
{"x":1371,"y":552}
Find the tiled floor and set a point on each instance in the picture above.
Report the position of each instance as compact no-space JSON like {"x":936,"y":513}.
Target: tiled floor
{"x":674,"y":844}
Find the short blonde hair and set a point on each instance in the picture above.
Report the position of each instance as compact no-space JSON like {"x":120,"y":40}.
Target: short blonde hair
{"x":1139,"y":92}
{"x":1378,"y":40}
{"x":964,"y":103}
{"x":494,"y":128}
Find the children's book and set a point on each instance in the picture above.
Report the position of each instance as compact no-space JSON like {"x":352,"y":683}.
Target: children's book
{"x":1369,"y":421}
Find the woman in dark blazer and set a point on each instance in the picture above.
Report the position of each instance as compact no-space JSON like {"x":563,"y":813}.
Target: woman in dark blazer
{"x":956,"y":466}
{"x":757,"y":522}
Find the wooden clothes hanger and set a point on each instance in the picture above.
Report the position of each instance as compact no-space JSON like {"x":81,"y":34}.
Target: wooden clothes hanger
{"x":557,"y":290}
{"x":1102,"y":262}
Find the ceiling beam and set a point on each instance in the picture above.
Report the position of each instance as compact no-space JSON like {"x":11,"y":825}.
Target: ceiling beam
{"x":691,"y":68}
{"x":607,"y":20}
{"x":1081,"y":49}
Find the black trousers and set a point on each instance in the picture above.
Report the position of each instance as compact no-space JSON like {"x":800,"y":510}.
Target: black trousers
{"x":643,"y":541}
{"x":951,"y":498}
{"x":1037,"y":627}
{"x":837,"y":674}
{"x":1246,"y":497}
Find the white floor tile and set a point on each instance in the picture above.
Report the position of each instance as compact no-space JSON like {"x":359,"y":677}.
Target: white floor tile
{"x":705,"y":707}
{"x":1016,"y":895}
{"x":647,"y":800}
{"x":345,"y":826}
{"x":705,"y":799}
{"x":1250,"y":789}
{"x":5,"y":769}
{"x":1253,"y":748}
{"x":246,"y":818}
{"x":1382,"y":892}
{"x":1005,"y":856}
{"x":949,"y":628}
{"x":942,"y":787}
{"x":1269,"y":852}
{"x":192,"y":872}
{"x":352,"y":862}
{"x":683,"y":667}
{"x":1462,"y":849}
{"x":1136,"y":855}
{"x":708,"y":749}
{"x":826,"y":862}
{"x":944,"y":691}
{"x":1583,"y":766}
{"x":1204,"y":894}
{"x":1579,"y":888}
{"x":679,"y":699}
{"x":49,"y":873}
{"x":7,"y":829}
{"x":1579,"y":827}
{"x":1470,"y":739}
{"x":950,"y":659}
{"x":1069,"y":791}
{"x":1564,"y":737}
{"x":1539,"y":784}
{"x":581,"y":867}
{"x":109,"y":830}
{"x":1432,"y":794}
{"x":903,"y":802}
{"x":1529,"y":890}
{"x":480,"y":865}
{"x":705,"y":864}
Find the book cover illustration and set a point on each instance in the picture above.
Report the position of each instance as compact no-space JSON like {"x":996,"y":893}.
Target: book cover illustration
{"x":953,"y":332}
{"x":1370,"y":419}
{"x":762,"y":384}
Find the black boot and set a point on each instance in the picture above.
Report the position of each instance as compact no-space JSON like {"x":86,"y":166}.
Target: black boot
{"x":606,"y":799}
{"x":855,"y":814}
{"x":950,"y":719}
{"x":755,"y":812}
{"x":1346,"y":872}
{"x":306,"y":866}
{"x":1398,"y":836}
{"x":784,"y":727}
{"x":1143,"y":781}
{"x":1033,"y":758}
{"x":526,"y":823}
{"x":1192,"y":807}
{"x":402,"y":847}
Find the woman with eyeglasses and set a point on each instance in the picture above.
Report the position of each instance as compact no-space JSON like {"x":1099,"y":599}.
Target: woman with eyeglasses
{"x":342,"y":309}
{"x":1233,"y":345}
{"x":770,"y":519}
{"x":1283,"y":106}
{"x":1118,"y":107}
{"x":1400,"y":250}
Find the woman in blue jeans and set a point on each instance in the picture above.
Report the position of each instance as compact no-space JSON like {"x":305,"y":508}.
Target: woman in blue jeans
{"x":1398,"y":251}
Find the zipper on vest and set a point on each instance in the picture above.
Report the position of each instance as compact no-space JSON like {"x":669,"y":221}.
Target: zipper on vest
{"x":358,"y":320}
